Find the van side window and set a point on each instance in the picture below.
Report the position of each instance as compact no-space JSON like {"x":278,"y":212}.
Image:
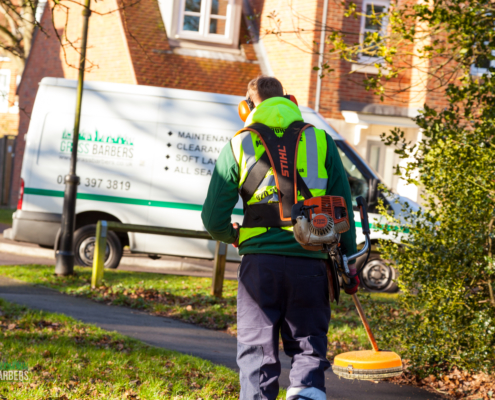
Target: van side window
{"x":357,"y":182}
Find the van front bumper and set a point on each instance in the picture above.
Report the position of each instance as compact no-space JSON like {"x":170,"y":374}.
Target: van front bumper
{"x":35,"y":227}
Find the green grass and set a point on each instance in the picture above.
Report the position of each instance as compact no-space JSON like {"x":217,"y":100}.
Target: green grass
{"x":188,"y":299}
{"x":68,"y":359}
{"x":6,"y":215}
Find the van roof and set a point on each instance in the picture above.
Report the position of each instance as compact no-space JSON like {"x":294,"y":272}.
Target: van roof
{"x":309,"y":114}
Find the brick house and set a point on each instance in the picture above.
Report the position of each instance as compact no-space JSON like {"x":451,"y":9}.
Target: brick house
{"x":218,"y":46}
{"x":9,"y":122}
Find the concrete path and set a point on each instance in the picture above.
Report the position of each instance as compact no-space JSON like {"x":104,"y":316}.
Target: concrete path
{"x":215,"y":346}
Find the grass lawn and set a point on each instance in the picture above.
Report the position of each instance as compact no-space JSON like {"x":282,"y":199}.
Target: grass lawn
{"x":6,"y":216}
{"x":68,"y":359}
{"x":188,"y":299}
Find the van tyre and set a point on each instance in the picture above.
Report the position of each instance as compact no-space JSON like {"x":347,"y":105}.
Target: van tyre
{"x":84,"y":246}
{"x":378,"y":276}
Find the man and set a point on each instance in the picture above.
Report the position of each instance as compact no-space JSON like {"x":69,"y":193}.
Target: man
{"x":282,"y":287}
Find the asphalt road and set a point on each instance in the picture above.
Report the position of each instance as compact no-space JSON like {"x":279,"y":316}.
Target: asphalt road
{"x":215,"y":346}
{"x":164,"y":265}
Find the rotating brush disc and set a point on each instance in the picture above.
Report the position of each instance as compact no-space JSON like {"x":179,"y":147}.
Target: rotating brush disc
{"x":367,"y":364}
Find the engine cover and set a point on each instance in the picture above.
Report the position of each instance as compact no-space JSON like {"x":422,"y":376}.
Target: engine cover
{"x":319,"y":221}
{"x":312,"y":235}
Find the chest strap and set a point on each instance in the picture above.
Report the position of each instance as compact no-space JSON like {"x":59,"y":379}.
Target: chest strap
{"x":281,"y":155}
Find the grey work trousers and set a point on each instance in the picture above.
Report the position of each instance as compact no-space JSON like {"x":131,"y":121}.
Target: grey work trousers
{"x":287,"y":295}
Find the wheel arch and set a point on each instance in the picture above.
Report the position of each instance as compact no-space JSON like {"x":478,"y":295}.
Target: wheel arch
{"x":92,"y":217}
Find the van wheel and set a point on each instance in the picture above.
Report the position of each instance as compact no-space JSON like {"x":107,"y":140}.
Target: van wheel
{"x":84,"y":247}
{"x":377,"y":276}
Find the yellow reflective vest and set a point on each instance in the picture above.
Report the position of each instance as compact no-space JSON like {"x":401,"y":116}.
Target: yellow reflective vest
{"x":248,"y":148}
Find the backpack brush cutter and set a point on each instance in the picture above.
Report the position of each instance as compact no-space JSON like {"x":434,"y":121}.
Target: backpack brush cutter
{"x":318,"y":224}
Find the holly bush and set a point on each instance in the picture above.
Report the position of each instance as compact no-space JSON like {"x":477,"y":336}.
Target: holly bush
{"x":446,"y":310}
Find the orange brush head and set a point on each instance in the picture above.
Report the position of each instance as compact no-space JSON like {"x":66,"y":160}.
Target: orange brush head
{"x":367,"y":364}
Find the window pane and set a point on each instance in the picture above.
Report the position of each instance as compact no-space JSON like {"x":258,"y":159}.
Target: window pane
{"x":375,"y":157}
{"x":370,"y":47}
{"x":482,"y":62}
{"x":191,"y":23}
{"x":370,"y":22}
{"x":219,"y":7}
{"x":357,"y":182}
{"x":193,"y":5}
{"x":217,"y":26}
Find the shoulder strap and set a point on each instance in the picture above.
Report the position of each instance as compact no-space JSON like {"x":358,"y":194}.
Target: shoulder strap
{"x":281,"y":155}
{"x":258,"y":173}
{"x":255,"y":177}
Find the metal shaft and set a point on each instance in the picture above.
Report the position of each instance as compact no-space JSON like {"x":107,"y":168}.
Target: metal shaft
{"x":65,"y":256}
{"x":362,"y":315}
{"x":365,"y":322}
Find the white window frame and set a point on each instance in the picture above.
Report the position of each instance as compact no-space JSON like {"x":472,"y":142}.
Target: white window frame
{"x":363,"y":59}
{"x":4,"y":93}
{"x":39,"y":10}
{"x":204,"y":14}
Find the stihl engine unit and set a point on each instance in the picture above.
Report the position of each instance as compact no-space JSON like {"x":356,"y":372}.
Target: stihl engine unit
{"x":319,"y":221}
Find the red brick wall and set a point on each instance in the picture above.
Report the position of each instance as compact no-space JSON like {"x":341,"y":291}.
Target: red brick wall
{"x":108,"y":60}
{"x":292,"y":55}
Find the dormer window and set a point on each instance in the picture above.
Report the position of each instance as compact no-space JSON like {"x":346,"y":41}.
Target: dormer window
{"x":207,"y":20}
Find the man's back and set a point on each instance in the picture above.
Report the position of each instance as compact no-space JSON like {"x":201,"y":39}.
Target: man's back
{"x":318,"y":163}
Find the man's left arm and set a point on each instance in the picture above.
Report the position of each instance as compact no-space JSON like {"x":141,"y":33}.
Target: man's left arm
{"x":338,"y":185}
{"x":222,"y":197}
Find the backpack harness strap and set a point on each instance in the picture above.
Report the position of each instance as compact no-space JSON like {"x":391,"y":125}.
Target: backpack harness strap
{"x":281,"y":155}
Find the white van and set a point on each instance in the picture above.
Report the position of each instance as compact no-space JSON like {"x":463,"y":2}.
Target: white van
{"x":145,"y":156}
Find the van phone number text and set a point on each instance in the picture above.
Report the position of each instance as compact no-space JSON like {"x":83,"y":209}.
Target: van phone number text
{"x":93,"y":182}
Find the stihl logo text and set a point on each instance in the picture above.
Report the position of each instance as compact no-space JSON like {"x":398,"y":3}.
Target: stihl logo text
{"x":284,"y":166}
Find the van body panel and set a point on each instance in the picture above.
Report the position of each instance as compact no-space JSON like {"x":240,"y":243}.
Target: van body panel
{"x":35,"y":227}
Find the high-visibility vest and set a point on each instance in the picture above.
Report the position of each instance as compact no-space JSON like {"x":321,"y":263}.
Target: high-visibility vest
{"x":248,"y":148}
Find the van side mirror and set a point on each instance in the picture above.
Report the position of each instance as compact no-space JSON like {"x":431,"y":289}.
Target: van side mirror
{"x":373,"y":192}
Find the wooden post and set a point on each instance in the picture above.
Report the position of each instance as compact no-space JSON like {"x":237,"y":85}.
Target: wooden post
{"x":219,"y":269}
{"x":99,"y":254}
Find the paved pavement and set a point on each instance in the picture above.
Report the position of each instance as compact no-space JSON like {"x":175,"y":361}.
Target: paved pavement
{"x":215,"y":346}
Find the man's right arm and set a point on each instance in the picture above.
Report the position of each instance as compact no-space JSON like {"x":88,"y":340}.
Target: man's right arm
{"x":222,"y":197}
